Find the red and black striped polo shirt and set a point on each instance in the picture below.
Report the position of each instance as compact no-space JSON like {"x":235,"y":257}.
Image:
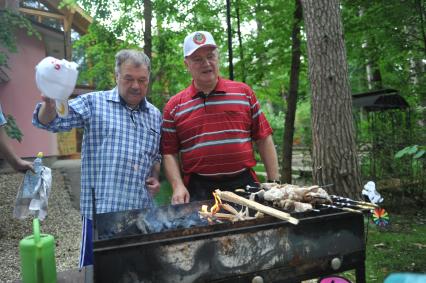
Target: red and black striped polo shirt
{"x":214,"y":133}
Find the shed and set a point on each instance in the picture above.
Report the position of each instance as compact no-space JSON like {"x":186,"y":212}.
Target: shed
{"x":384,"y":127}
{"x":379,"y":100}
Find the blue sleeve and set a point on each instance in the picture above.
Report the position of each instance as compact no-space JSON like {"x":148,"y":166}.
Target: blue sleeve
{"x":79,"y":114}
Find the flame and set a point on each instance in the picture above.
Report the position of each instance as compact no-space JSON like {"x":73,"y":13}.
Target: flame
{"x":217,"y":204}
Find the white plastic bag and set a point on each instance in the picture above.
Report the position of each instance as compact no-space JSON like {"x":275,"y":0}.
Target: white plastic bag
{"x":33,"y":201}
{"x":371,"y":192}
{"x":56,"y":79}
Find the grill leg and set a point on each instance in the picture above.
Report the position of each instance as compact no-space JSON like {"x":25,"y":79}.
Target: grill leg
{"x":360,"y":273}
{"x":88,"y":274}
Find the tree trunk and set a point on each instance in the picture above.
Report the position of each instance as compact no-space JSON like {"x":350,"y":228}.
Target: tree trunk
{"x":335,"y":160}
{"x":229,"y":28}
{"x":147,"y":15}
{"x":240,"y":41}
{"x":259,"y":52}
{"x":292,"y":97}
{"x":147,"y":48}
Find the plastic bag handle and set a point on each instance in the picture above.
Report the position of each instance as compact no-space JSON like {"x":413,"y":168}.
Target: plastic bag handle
{"x":36,"y":230}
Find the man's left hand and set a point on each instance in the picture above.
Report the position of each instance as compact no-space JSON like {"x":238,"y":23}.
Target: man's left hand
{"x":153,"y":185}
{"x":22,"y":165}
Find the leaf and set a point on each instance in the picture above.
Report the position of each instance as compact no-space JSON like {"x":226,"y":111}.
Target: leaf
{"x":12,"y":129}
{"x":402,"y":152}
{"x":419,"y":154}
{"x":412,"y":149}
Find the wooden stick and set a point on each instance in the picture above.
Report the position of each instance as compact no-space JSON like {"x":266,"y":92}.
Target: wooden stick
{"x":230,"y":196}
{"x":218,"y":215}
{"x":229,"y":208}
{"x":232,"y":210}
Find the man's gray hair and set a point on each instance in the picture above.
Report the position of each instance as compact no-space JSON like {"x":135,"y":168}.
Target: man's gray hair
{"x":135,"y":57}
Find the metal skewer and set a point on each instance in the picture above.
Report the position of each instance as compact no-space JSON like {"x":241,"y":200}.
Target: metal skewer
{"x":354,"y":201}
{"x":353,"y":205}
{"x":341,"y":208}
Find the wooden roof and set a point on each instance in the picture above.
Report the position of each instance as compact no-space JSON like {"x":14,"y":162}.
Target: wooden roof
{"x":74,"y":15}
{"x":380,"y":100}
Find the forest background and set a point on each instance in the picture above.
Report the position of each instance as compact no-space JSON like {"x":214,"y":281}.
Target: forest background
{"x":304,"y":77}
{"x":385,"y":46}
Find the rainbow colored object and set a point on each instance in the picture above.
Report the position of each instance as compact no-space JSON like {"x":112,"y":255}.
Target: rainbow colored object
{"x":380,"y":217}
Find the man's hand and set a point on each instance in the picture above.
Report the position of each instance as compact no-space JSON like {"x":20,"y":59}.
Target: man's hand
{"x":180,"y":195}
{"x":153,"y":185}
{"x":22,"y":166}
{"x":47,"y":111}
{"x":50,"y":103}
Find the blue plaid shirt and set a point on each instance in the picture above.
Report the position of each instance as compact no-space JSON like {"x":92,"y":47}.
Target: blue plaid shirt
{"x":2,"y":119}
{"x":119,"y":148}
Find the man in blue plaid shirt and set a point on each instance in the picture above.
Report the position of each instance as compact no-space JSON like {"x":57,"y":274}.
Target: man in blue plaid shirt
{"x":120,"y":149}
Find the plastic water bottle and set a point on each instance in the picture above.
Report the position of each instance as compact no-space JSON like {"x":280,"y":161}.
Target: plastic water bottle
{"x":32,"y":180}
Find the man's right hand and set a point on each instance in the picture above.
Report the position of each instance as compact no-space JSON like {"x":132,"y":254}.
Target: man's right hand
{"x":47,"y":111}
{"x":49,"y":102}
{"x":180,"y":195}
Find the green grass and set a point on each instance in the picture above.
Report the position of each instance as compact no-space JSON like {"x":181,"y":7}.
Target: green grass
{"x":401,"y":247}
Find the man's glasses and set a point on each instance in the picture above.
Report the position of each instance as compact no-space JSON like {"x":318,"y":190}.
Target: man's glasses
{"x":211,"y":58}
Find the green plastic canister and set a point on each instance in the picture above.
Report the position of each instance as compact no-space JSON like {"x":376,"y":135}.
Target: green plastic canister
{"x":37,"y":254}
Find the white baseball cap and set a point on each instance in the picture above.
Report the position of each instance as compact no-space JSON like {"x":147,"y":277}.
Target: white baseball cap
{"x":56,"y":79}
{"x":196,"y":40}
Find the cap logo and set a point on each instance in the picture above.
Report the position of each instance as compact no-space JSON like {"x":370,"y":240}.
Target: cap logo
{"x":199,"y":38}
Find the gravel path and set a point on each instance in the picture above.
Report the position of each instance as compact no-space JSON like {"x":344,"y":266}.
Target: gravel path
{"x":63,"y":222}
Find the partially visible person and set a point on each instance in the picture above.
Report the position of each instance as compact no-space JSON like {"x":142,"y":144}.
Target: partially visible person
{"x":6,"y":150}
{"x":121,"y":140}
{"x":209,"y":129}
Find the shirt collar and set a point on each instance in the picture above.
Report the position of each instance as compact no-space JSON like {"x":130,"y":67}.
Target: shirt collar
{"x":114,"y":96}
{"x":219,"y":88}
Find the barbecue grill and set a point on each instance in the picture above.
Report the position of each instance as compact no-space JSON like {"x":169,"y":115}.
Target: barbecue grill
{"x":169,"y":244}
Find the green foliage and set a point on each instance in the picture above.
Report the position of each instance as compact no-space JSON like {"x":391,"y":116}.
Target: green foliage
{"x":388,"y":37}
{"x":99,"y":46}
{"x":276,"y":120}
{"x":303,"y":132}
{"x":415,"y":151}
{"x":9,"y":23}
{"x":12,"y":129}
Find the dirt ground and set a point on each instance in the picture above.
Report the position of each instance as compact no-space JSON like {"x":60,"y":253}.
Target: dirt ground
{"x":63,"y":222}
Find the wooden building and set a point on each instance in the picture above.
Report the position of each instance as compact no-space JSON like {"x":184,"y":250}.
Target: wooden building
{"x":57,"y":27}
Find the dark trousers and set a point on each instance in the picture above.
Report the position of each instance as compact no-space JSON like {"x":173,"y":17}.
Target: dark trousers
{"x":202,"y":187}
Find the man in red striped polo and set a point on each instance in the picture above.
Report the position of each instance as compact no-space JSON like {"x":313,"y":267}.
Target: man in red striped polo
{"x":209,"y":129}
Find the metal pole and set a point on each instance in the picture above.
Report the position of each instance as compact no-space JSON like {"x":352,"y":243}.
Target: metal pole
{"x":228,"y":21}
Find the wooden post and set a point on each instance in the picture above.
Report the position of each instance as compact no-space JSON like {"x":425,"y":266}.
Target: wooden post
{"x":67,"y":33}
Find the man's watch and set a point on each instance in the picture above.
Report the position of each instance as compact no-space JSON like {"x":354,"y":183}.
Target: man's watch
{"x":274,"y":181}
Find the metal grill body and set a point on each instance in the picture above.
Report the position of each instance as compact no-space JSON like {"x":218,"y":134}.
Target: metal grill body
{"x":273,"y":249}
